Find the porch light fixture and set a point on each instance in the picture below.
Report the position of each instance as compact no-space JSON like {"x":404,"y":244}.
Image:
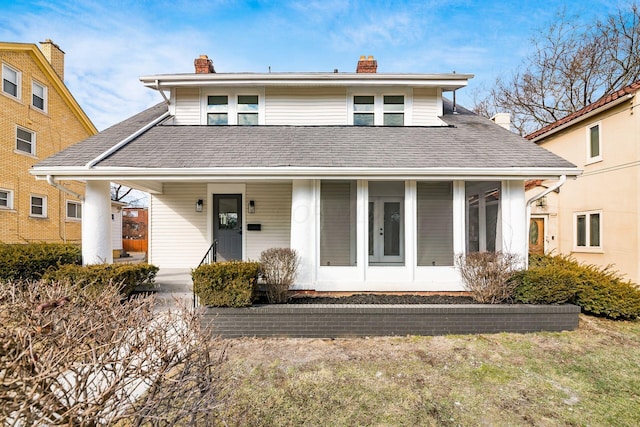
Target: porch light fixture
{"x":199,"y":205}
{"x":252,"y":206}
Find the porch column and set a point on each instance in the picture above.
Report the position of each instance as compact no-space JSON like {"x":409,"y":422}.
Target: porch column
{"x":96,"y":224}
{"x":304,"y":217}
{"x":514,"y":226}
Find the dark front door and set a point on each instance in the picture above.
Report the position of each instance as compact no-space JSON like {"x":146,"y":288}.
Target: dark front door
{"x":227,"y":226}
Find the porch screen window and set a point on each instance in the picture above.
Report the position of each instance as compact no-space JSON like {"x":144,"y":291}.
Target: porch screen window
{"x":435,"y":223}
{"x":217,"y":110}
{"x":338,"y":223}
{"x":248,"y":110}
{"x":363,"y":111}
{"x":483,"y":216}
{"x":394,"y":110}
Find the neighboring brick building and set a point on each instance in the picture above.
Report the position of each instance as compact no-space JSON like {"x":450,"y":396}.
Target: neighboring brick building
{"x":38,"y":118}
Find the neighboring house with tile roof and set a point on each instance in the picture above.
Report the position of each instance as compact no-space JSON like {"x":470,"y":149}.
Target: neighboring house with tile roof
{"x":38,"y":117}
{"x":596,"y":218}
{"x":375,"y":179}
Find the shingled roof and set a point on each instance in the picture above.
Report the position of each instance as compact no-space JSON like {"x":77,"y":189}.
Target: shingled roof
{"x":470,"y":141}
{"x":605,"y":100}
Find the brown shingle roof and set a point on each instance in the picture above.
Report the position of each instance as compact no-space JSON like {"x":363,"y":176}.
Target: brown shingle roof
{"x":632,"y":88}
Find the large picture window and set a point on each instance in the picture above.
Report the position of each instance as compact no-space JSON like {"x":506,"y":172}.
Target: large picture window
{"x":338,"y":223}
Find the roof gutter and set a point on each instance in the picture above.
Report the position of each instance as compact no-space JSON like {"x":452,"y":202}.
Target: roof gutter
{"x":554,"y":187}
{"x":52,"y":181}
{"x":125,"y":141}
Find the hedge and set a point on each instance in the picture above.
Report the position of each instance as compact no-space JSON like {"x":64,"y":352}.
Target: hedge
{"x":31,"y":261}
{"x":561,"y":279}
{"x":226,"y":284}
{"x":127,"y":276}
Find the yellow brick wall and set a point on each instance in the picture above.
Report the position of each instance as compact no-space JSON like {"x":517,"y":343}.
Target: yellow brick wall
{"x":55,"y":130}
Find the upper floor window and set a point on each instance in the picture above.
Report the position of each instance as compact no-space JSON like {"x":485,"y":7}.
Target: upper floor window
{"x":594,"y":146}
{"x":10,"y":81}
{"x":39,"y":96}
{"x":25,"y":141}
{"x":74,"y":210}
{"x":6,"y":199}
{"x":38,"y":206}
{"x":394,"y":110}
{"x":247,"y":109}
{"x":363,"y":110}
{"x":588,"y":230}
{"x":218,"y":110}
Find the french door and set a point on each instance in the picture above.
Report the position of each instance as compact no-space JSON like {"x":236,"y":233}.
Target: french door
{"x":386,"y":230}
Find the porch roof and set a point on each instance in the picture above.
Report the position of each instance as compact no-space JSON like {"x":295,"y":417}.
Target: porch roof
{"x":470,"y":142}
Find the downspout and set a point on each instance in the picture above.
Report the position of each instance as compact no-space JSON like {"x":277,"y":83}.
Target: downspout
{"x":561,"y":181}
{"x":52,"y":181}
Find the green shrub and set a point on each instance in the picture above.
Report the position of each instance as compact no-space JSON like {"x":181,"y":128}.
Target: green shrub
{"x":561,"y":279}
{"x":226,"y":284}
{"x":127,"y":276}
{"x":31,"y":261}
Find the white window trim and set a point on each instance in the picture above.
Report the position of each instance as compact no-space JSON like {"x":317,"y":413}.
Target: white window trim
{"x":18,"y":83}
{"x":378,"y":103}
{"x":232,"y":112}
{"x":597,"y":158}
{"x":45,"y":94}
{"x":33,"y":142}
{"x":78,"y":209}
{"x":9,"y":199}
{"x":44,"y":206}
{"x":587,"y":248}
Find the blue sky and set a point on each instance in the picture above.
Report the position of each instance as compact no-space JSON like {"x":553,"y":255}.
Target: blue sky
{"x":109,"y":44}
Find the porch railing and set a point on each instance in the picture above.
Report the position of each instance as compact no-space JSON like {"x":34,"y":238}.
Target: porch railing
{"x":209,"y":258}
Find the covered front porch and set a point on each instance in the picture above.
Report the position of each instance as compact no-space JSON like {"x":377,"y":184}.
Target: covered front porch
{"x":364,"y":234}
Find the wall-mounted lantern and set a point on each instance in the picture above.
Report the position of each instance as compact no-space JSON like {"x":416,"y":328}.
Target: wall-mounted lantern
{"x":252,"y":206}
{"x":199,"y":205}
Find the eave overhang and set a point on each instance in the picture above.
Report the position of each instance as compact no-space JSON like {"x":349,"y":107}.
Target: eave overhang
{"x":447,"y":82}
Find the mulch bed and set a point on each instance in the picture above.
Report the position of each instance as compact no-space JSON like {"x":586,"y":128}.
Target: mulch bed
{"x":379,"y":299}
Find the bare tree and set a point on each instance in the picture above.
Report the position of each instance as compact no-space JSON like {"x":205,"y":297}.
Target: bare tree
{"x":571,"y":66}
{"x":74,"y":357}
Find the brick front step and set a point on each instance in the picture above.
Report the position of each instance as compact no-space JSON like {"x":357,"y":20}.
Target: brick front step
{"x":356,"y":320}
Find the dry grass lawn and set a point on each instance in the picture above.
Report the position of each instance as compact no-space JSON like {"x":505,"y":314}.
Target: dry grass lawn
{"x":590,"y":376}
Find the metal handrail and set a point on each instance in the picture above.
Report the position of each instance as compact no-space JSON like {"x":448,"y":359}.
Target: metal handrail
{"x":209,"y":258}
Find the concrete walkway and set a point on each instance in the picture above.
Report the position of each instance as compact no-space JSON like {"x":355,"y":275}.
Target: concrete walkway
{"x":174,"y":287}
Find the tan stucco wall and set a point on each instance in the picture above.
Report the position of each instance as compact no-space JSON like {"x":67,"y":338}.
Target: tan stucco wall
{"x":610,"y":185}
{"x":56,"y":129}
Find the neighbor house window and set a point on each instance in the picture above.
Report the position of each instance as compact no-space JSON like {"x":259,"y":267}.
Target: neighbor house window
{"x":394,"y":110}
{"x":363,"y":111}
{"x":247,"y":110}
{"x":594,"y":147}
{"x":10,"y":81}
{"x":74,"y":210}
{"x":6,"y":199}
{"x":218,"y":110}
{"x":39,"y":96}
{"x":25,"y":141}
{"x":38,"y":206}
{"x":588,"y":230}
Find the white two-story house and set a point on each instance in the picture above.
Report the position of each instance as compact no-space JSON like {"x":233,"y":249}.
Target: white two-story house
{"x":375,"y":179}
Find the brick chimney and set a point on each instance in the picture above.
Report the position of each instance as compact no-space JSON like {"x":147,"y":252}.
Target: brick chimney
{"x":54,"y":55}
{"x":204,"y":65}
{"x":367,"y":65}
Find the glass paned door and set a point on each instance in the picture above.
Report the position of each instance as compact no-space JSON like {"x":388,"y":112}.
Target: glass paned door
{"x":227,"y":226}
{"x":386,"y":230}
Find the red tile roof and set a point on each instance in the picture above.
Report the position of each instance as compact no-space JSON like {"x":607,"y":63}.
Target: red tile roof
{"x":632,"y":88}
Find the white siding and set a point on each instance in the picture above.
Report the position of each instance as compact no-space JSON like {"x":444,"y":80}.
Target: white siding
{"x":425,"y":108}
{"x":178,"y":232}
{"x":306,"y":106}
{"x":273,"y":213}
{"x":187,"y":106}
